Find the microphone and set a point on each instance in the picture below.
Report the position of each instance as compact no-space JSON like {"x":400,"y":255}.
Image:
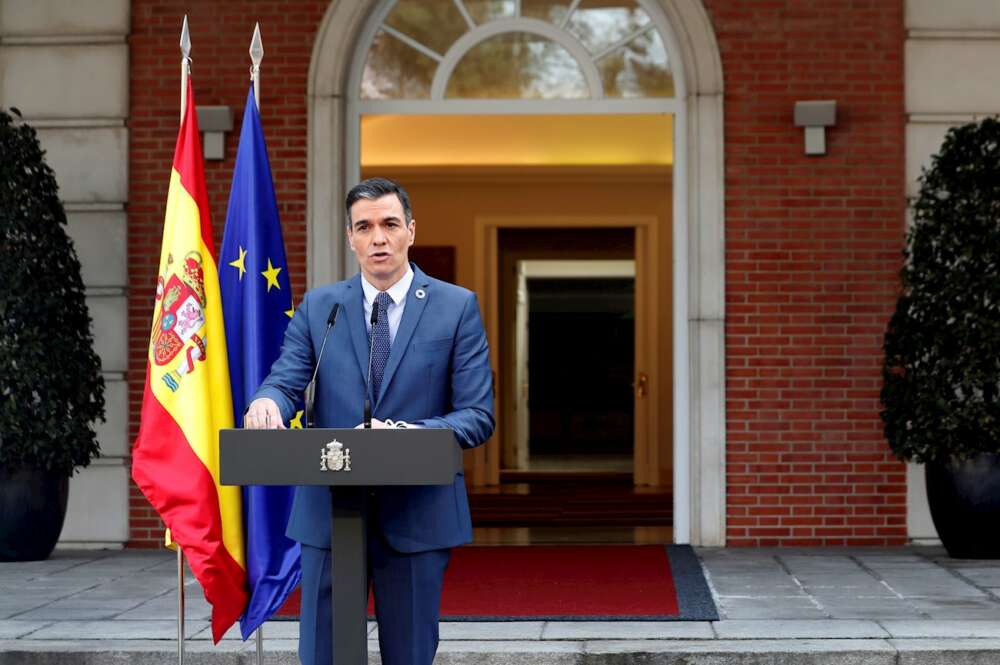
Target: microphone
{"x":311,"y":386}
{"x":368,"y":384}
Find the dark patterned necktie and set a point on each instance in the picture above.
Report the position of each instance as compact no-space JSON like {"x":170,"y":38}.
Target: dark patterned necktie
{"x":380,"y":341}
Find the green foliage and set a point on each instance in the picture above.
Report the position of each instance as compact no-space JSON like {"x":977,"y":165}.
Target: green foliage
{"x":941,"y":391}
{"x":51,"y":389}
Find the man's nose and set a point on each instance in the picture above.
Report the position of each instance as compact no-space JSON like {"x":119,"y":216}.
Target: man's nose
{"x":379,"y":237}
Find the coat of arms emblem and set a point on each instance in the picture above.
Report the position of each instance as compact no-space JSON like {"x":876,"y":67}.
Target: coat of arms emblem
{"x":180,"y":317}
{"x":335,"y":457}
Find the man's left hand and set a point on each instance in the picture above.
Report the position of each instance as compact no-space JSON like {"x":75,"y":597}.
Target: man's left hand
{"x":376,"y":424}
{"x":388,"y":424}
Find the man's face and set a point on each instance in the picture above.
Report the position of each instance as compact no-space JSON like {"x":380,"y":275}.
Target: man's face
{"x":381,"y":239}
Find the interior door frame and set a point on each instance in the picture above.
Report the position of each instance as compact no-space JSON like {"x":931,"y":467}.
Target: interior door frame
{"x":483,"y":465}
{"x":518,"y":446}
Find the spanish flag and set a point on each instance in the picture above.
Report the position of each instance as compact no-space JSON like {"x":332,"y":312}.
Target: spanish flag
{"x":187,"y":397}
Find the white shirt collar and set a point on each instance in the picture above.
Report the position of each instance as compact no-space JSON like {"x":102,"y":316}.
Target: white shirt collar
{"x":397,"y":291}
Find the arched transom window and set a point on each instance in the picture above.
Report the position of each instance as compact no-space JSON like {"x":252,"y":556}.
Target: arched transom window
{"x":510,"y":49}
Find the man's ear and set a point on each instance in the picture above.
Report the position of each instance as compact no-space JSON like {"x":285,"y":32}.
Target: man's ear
{"x":413,"y":231}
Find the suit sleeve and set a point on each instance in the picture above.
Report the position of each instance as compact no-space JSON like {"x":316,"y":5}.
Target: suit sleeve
{"x":291,"y":372}
{"x":471,"y":417}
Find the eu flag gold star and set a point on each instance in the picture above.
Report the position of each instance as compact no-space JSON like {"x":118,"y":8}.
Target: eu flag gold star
{"x":290,"y":311}
{"x":296,"y":422}
{"x":240,"y":263}
{"x":271,"y":275}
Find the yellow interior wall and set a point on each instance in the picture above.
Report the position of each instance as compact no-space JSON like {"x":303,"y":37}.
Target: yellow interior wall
{"x":516,"y":140}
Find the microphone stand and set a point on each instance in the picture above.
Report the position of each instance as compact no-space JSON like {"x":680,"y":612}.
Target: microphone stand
{"x":310,"y":393}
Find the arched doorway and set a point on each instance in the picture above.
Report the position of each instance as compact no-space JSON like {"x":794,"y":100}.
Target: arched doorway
{"x":559,"y":57}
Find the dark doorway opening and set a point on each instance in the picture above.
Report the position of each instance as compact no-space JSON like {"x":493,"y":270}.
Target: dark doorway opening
{"x":581,"y":349}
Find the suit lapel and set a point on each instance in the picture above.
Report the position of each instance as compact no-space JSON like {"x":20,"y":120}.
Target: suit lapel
{"x":411,"y":315}
{"x":355,"y":307}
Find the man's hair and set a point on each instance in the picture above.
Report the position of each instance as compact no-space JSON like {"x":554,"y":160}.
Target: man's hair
{"x":373,"y":189}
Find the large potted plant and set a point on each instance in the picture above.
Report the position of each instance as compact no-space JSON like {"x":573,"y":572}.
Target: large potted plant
{"x":51,"y":389}
{"x":941,"y":391}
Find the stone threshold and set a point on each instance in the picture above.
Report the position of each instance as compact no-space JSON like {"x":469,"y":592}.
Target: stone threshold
{"x":927,"y":651}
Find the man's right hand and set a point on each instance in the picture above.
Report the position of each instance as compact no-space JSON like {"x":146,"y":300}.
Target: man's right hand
{"x":263,"y":414}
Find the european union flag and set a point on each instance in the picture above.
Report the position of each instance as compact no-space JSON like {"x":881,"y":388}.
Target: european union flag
{"x":257,"y":305}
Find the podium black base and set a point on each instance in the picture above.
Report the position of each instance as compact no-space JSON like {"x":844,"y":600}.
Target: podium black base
{"x":349,"y":574}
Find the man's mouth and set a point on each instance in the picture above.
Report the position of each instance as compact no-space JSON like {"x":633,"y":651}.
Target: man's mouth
{"x":378,"y":256}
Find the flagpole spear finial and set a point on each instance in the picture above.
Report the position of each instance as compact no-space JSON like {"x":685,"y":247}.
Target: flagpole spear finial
{"x":256,"y":55}
{"x":185,"y":63}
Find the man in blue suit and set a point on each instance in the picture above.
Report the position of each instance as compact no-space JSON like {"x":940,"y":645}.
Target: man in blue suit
{"x":429,"y":368}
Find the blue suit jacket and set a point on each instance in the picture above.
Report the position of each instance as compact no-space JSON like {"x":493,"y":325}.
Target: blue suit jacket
{"x":438,"y":375}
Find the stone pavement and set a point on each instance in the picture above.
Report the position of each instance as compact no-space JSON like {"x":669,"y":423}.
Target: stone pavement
{"x":783,"y":606}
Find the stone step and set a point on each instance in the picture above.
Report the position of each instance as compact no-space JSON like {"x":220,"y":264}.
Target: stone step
{"x":931,"y":651}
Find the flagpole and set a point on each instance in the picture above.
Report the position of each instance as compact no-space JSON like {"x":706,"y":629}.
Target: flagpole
{"x":185,"y":45}
{"x":180,"y":606}
{"x":256,"y":55}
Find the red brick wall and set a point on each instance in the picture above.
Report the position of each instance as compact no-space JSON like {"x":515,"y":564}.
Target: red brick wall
{"x":812,"y":253}
{"x":220,"y":36}
{"x":812,"y":244}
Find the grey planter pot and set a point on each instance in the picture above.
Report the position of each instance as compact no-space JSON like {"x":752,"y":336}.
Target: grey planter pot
{"x":32,"y":510}
{"x":964,"y":497}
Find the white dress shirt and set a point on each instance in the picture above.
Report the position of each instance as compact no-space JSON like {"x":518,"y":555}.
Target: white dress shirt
{"x":397,"y":292}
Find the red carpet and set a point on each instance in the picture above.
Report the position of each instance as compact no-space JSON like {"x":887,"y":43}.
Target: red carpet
{"x":565,"y":582}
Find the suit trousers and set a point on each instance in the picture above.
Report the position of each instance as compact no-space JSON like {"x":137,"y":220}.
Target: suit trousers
{"x":407,"y":590}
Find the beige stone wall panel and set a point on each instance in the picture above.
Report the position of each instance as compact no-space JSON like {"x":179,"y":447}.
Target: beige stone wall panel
{"x":953,"y":76}
{"x":65,"y":82}
{"x":90,"y":162}
{"x":100,"y":241}
{"x":25,"y":18}
{"x":923,"y":140}
{"x":98,"y":506}
{"x":108,"y":315}
{"x":953,"y":15}
{"x":113,"y":432}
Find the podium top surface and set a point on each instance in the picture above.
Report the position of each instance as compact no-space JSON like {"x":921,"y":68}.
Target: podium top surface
{"x":363,"y":457}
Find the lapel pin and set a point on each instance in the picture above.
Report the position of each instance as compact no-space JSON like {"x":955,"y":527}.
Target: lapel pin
{"x":420,"y":294}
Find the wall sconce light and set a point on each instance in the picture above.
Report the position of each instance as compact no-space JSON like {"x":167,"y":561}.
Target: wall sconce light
{"x":816,"y":117}
{"x":214,"y":122}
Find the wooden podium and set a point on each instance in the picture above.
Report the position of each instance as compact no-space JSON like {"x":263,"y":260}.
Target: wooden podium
{"x":349,"y":461}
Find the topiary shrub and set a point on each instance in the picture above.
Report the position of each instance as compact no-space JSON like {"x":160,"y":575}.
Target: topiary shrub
{"x":51,"y":388}
{"x":941,"y":391}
